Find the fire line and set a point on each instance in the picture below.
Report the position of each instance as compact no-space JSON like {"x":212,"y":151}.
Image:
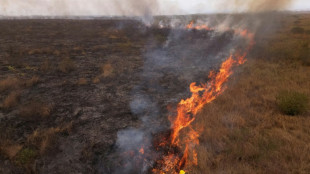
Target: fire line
{"x":183,"y":135}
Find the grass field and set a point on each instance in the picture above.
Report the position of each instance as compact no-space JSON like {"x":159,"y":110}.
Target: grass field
{"x":244,"y":129}
{"x":66,"y":86}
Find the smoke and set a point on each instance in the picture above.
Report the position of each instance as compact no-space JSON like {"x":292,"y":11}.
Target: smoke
{"x":134,"y":7}
{"x":183,"y":57}
{"x":254,"y":5}
{"x":141,"y":8}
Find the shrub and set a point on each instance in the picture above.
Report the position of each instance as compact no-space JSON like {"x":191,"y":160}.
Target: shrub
{"x":292,"y":102}
{"x":25,"y":156}
{"x":297,"y":30}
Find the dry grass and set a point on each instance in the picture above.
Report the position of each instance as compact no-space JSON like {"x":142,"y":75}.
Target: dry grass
{"x":12,"y":83}
{"x":47,"y":50}
{"x":11,"y":100}
{"x":35,"y":110}
{"x":107,"y":70}
{"x":244,"y":131}
{"x":9,"y":83}
{"x":33,"y":81}
{"x":96,"y":80}
{"x":45,"y":139}
{"x":9,"y":149}
{"x":45,"y":66}
{"x":82,"y":81}
{"x":66,"y":65}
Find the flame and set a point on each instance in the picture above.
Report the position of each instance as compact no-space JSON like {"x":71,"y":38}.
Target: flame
{"x":198,"y":27}
{"x":186,"y":114}
{"x":141,"y":151}
{"x":183,"y":135}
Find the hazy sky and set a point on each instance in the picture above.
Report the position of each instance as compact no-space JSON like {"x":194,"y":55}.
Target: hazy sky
{"x":125,"y":7}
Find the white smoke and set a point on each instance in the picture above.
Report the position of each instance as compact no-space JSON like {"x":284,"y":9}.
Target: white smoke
{"x":140,"y":7}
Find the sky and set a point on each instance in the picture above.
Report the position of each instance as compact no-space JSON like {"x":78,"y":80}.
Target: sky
{"x":127,"y":7}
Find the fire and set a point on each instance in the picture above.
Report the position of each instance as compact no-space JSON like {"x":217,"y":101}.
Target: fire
{"x":141,"y":151}
{"x":198,"y":27}
{"x":186,"y":114}
{"x":183,"y":135}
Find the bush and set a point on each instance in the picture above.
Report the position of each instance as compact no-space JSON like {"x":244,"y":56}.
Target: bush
{"x":297,"y":30}
{"x":292,"y":102}
{"x":25,"y":156}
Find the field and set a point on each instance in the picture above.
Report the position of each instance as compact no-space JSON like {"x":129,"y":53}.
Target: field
{"x":67,"y":88}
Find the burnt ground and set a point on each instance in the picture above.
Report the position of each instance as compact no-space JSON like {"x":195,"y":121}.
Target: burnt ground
{"x":75,"y":81}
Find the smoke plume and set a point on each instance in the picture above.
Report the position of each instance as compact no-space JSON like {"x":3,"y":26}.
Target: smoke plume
{"x":254,"y":5}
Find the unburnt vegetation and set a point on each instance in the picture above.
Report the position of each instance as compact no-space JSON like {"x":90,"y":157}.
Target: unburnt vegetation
{"x":66,"y":86}
{"x":250,"y":128}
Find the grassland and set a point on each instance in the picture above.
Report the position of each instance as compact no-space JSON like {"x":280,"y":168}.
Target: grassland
{"x":66,"y":86}
{"x":244,"y":129}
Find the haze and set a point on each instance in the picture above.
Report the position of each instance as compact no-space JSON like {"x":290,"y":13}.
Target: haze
{"x":126,"y":7}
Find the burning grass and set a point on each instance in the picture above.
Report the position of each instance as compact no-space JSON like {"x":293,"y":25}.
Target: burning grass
{"x":244,"y":132}
{"x":241,"y":131}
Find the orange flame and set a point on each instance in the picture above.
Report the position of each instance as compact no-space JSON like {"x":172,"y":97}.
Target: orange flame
{"x":186,"y":114}
{"x":197,"y":27}
{"x":188,"y":109}
{"x":141,"y":151}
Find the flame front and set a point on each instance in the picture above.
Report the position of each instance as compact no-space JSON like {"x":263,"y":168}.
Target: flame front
{"x":191,"y":25}
{"x":183,"y":135}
